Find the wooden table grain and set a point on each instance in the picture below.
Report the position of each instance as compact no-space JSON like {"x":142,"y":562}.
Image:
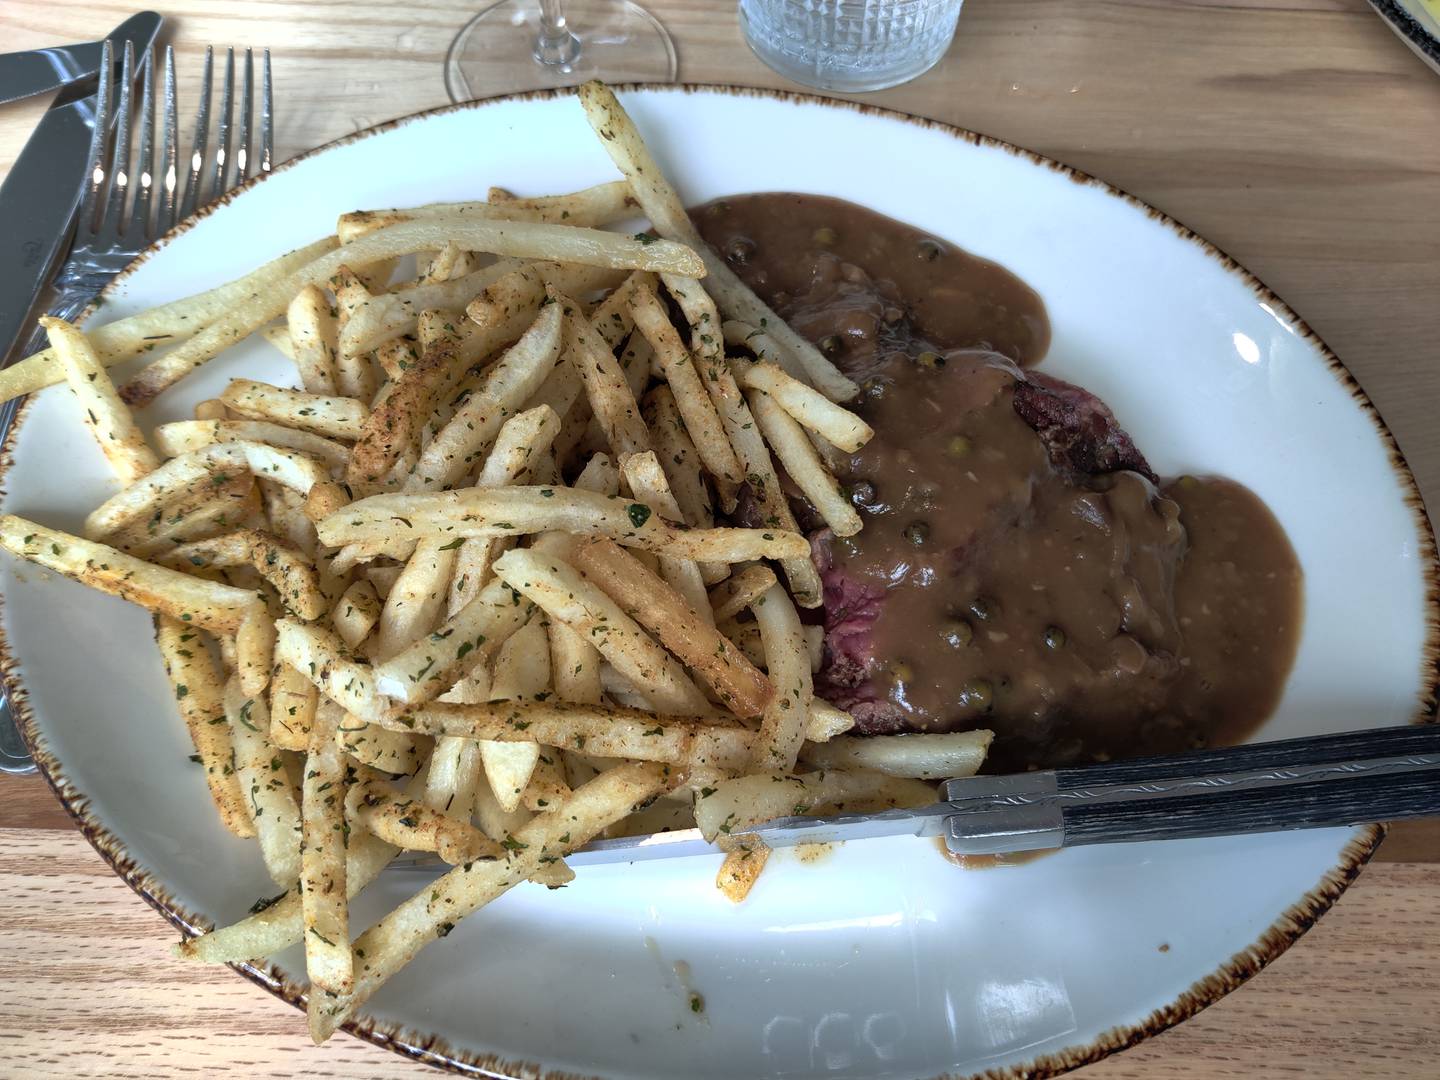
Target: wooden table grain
{"x":1298,"y":135}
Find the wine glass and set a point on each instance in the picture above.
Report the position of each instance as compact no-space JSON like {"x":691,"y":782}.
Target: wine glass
{"x":530,"y":44}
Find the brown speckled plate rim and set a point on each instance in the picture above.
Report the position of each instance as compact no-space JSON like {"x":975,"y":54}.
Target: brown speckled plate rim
{"x":433,"y":1050}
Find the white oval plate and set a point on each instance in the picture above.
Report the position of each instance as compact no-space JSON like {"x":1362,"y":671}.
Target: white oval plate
{"x":883,"y":959}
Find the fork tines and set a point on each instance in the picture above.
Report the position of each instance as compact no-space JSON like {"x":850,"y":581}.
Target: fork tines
{"x":156,"y":200}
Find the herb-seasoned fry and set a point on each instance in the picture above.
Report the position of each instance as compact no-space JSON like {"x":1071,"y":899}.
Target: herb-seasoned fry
{"x":324,"y":833}
{"x":516,"y":511}
{"x":565,"y":595}
{"x":665,"y":613}
{"x":107,"y":417}
{"x":200,"y":694}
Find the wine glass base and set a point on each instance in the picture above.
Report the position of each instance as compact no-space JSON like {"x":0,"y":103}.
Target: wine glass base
{"x":494,"y":53}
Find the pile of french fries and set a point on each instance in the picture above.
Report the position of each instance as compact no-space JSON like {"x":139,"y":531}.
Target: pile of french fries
{"x":392,"y":624}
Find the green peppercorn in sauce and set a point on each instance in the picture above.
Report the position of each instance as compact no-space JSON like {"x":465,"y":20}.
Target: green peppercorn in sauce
{"x":1030,"y":575}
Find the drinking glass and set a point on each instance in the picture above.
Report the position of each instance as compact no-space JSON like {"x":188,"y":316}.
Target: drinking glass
{"x":849,"y":45}
{"x":528,"y":45}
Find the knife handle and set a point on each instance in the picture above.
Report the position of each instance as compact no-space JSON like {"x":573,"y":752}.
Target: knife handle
{"x":1318,"y":805}
{"x":1285,"y":753}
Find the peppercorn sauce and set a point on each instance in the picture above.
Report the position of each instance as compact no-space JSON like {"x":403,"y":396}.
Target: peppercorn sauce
{"x":1020,"y":568}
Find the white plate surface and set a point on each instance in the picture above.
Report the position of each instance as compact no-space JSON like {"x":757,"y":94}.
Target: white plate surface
{"x":881,"y":960}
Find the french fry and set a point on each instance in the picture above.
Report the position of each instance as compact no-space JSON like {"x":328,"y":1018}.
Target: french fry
{"x":453,"y":776}
{"x":285,"y":512}
{"x":292,"y":576}
{"x":208,"y":604}
{"x":666,"y":614}
{"x":409,"y":823}
{"x":184,"y":436}
{"x":606,"y":389}
{"x":745,"y":636}
{"x":802,"y":462}
{"x":432,"y":663}
{"x":417,"y":599}
{"x":648,"y":484}
{"x":505,"y":388}
{"x":353,"y":555}
{"x":385,"y":751}
{"x":314,"y":337}
{"x":515,"y":511}
{"x":442,"y":266}
{"x":255,"y":651}
{"x":693,"y":400}
{"x":807,"y":406}
{"x":107,"y":417}
{"x":741,"y":868}
{"x":744,"y":434}
{"x":743,"y":335}
{"x":567,"y":596}
{"x":737,"y":805}
{"x":354,"y":377}
{"x":621,"y":140}
{"x":293,"y":699}
{"x":200,"y":695}
{"x":382,"y":578}
{"x":740,"y":590}
{"x":521,"y":441}
{"x":524,"y":289}
{"x":390,"y":316}
{"x":547,"y":789}
{"x":397,"y":356}
{"x":356,"y":613}
{"x":611,"y":318}
{"x":826,"y":722}
{"x":522,"y":670}
{"x":210,"y":466}
{"x":320,"y":656}
{"x":603,"y":204}
{"x":324,"y":837}
{"x":693,"y":742}
{"x":167,"y":324}
{"x":677,"y":456}
{"x":815,"y":645}
{"x":264,"y":785}
{"x":788,"y":661}
{"x":235,"y":504}
{"x":433,"y":912}
{"x":326,"y":415}
{"x":574,"y":665}
{"x":926,"y":757}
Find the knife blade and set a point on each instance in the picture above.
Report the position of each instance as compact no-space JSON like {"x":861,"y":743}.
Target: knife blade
{"x":38,"y":71}
{"x":39,"y":197}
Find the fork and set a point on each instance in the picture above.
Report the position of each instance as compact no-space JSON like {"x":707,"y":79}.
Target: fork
{"x":108,"y":239}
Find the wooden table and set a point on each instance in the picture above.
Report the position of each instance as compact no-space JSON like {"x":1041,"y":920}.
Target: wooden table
{"x":1299,"y":135}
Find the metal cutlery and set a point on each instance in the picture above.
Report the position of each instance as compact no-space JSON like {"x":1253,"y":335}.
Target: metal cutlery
{"x":125,"y":200}
{"x":1324,"y":781}
{"x":39,"y":71}
{"x":39,"y":195}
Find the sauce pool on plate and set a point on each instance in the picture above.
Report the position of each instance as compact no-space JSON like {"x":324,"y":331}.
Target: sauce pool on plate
{"x":1021,"y":567}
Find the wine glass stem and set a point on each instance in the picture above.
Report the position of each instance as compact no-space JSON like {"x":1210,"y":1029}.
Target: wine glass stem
{"x":555,"y":45}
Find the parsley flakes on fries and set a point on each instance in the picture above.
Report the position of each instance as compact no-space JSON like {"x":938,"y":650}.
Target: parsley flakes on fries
{"x":392,"y":623}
